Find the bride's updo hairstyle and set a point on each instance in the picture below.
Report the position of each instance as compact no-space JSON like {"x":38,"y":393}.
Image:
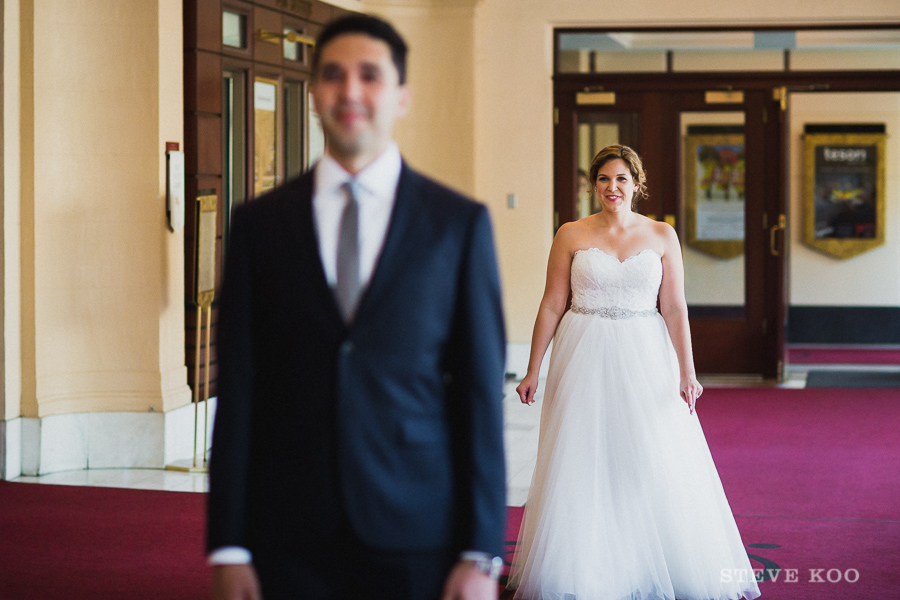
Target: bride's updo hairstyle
{"x":634,"y":165}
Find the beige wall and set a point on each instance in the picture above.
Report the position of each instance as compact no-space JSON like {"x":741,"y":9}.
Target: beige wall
{"x":437,"y":135}
{"x":170,"y":255}
{"x":868,"y":279}
{"x":10,"y":325}
{"x":25,"y":30}
{"x":103,"y":318}
{"x":348,"y":4}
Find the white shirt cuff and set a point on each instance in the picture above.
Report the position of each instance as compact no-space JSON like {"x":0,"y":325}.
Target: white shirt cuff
{"x":229,"y":555}
{"x":475,"y":555}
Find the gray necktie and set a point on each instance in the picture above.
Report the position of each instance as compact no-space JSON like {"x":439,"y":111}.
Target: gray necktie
{"x":348,"y":285}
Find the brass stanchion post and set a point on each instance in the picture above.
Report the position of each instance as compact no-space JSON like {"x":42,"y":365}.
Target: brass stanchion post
{"x":204,"y":292}
{"x":197,"y":381}
{"x":206,"y":364}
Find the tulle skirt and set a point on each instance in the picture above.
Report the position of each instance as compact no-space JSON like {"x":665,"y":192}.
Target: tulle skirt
{"x":625,"y":502}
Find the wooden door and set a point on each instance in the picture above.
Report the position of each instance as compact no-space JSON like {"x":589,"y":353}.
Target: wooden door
{"x":715,"y":171}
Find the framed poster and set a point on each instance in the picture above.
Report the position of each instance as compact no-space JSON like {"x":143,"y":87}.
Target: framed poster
{"x":265,"y":142}
{"x":714,"y":205}
{"x":205,"y":250}
{"x":843,"y":192}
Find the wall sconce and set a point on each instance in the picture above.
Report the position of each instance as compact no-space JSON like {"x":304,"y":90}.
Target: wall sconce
{"x":291,"y":36}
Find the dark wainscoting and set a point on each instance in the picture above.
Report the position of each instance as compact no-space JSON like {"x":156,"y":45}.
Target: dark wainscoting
{"x":715,"y":312}
{"x":843,"y":325}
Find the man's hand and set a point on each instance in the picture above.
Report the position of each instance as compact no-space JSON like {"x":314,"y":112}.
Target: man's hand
{"x":465,"y":582}
{"x":236,"y":582}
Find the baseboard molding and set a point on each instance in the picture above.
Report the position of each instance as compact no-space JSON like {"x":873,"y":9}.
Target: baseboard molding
{"x":122,"y":440}
{"x":102,"y":440}
{"x":10,"y":449}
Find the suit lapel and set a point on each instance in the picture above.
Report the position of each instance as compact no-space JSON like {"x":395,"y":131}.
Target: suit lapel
{"x":397,"y":235}
{"x":304,"y":252}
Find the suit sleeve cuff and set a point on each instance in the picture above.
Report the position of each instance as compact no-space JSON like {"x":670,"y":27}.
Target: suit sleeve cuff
{"x":229,"y":555}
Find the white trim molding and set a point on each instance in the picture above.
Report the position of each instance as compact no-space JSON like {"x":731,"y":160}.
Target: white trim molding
{"x":102,"y":440}
{"x":10,"y":449}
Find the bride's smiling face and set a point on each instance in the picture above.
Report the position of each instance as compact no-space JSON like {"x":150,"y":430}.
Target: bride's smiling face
{"x":615,"y":185}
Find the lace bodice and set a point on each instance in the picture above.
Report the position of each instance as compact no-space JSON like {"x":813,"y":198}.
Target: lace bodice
{"x":599,"y":280}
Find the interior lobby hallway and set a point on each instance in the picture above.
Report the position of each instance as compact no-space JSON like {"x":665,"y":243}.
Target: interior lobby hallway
{"x":810,"y":474}
{"x":521,"y":431}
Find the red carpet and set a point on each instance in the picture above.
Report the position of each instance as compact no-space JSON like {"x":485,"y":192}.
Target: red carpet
{"x":817,"y":355}
{"x":813,"y":477}
{"x":816,"y":472}
{"x":81,"y":543}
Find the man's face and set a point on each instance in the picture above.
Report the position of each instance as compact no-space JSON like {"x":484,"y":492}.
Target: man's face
{"x":358,"y":96}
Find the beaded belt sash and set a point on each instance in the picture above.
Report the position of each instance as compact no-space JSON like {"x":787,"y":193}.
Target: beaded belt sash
{"x":612,"y":312}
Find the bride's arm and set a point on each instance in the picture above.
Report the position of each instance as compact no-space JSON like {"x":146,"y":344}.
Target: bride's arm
{"x":551,"y":310}
{"x":673,"y":307}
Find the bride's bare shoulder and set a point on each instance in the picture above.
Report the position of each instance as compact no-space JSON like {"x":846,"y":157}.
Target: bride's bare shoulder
{"x":663,"y":235}
{"x":572,"y":229}
{"x":573,"y":235}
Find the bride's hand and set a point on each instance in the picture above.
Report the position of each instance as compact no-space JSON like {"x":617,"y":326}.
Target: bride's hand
{"x":690,"y":391}
{"x":527,"y":389}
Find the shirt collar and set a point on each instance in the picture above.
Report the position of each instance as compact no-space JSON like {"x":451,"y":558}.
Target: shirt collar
{"x":379,"y":178}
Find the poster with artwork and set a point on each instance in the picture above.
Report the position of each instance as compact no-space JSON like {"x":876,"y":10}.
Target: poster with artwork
{"x":844,"y":192}
{"x":715,"y":175}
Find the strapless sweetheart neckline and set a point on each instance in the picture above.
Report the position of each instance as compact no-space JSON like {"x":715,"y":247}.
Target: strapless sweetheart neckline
{"x":616,"y":258}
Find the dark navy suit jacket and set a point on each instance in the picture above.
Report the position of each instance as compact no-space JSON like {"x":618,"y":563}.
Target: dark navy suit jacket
{"x":392,"y":423}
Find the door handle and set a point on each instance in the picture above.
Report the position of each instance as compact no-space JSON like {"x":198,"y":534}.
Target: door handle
{"x":772,"y":231}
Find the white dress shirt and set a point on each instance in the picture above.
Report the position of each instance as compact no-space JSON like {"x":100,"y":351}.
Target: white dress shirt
{"x":376,"y":191}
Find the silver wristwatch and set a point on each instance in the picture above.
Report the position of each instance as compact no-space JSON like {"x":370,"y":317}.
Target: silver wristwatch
{"x":484,"y":562}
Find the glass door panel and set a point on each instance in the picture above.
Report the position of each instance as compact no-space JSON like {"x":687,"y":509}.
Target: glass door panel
{"x":293,"y":128}
{"x":712,"y":210}
{"x":595,"y":131}
{"x":234,"y":148}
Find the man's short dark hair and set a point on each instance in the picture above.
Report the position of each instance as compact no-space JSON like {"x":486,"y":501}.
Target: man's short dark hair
{"x":365,"y":25}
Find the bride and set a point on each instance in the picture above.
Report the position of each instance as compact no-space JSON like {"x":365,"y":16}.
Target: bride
{"x":625,"y":502}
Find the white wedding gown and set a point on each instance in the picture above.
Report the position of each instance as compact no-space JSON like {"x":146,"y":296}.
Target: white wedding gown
{"x":625,"y":502}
